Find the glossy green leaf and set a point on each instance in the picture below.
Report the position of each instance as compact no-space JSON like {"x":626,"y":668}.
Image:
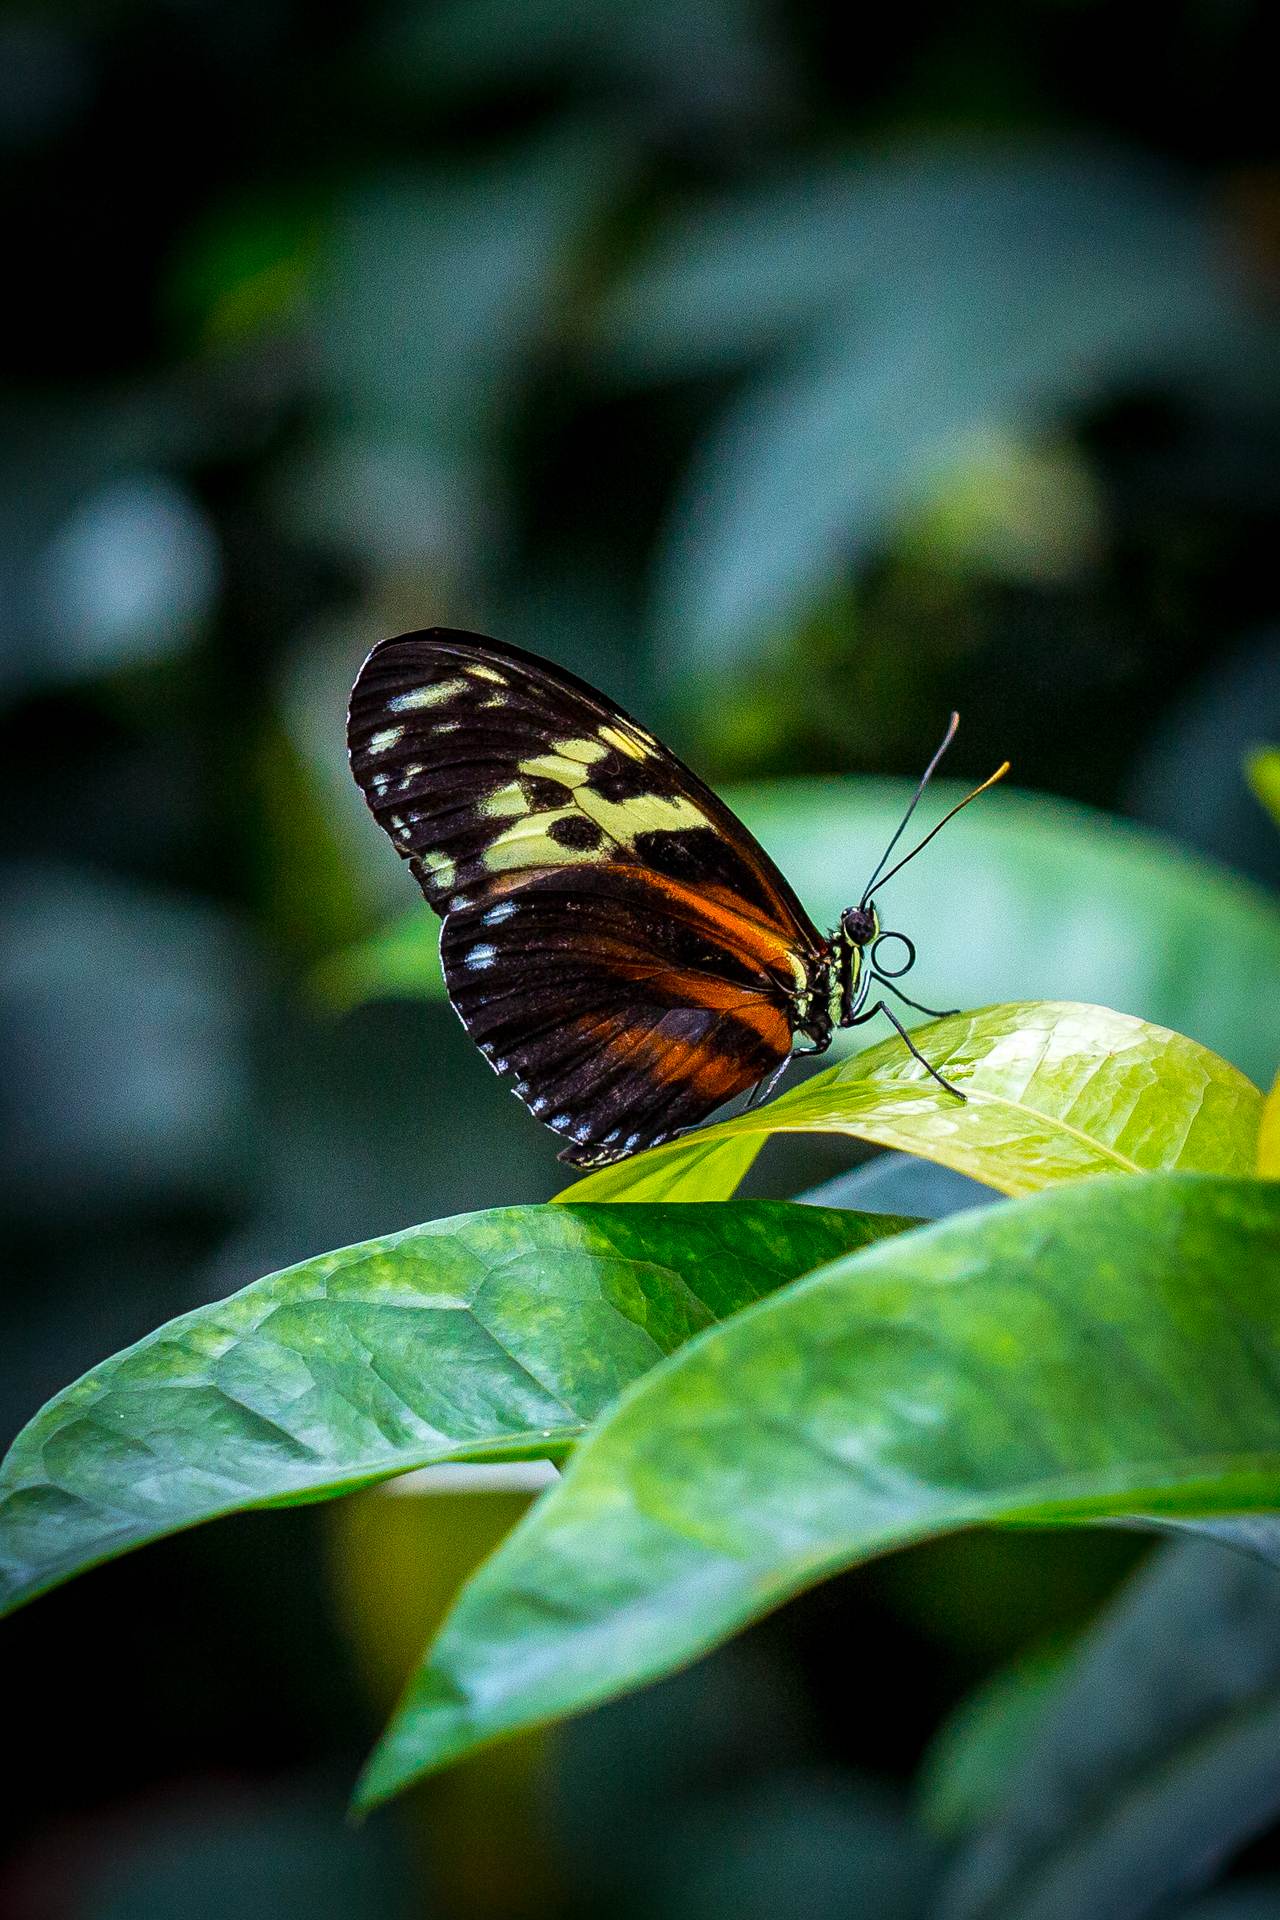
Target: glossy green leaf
{"x":1103,"y":1348}
{"x":492,"y":1335}
{"x":1153,"y":1759}
{"x":1025,"y":898}
{"x":1053,"y":1091}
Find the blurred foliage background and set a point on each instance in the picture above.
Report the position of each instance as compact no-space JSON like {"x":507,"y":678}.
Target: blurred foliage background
{"x":792,"y":373}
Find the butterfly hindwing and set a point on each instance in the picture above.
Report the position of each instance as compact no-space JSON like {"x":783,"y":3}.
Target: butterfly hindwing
{"x":614,"y":939}
{"x":619,"y":1023}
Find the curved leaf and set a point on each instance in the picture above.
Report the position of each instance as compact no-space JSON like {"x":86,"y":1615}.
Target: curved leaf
{"x":1053,"y":1091}
{"x":1107,"y":1347}
{"x":1155,"y":1755}
{"x":1033,"y":898}
{"x":491,"y":1335}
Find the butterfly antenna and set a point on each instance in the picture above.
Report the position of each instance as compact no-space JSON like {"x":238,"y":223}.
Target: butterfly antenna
{"x":960,"y":805}
{"x":916,"y":798}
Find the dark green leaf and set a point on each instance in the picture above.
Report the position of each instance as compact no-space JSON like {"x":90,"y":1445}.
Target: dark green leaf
{"x":1156,"y":1756}
{"x":948,"y":294}
{"x":492,"y":1335}
{"x":1106,"y":1347}
{"x":975,"y":1755}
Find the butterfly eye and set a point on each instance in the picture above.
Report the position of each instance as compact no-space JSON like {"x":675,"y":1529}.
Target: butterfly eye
{"x":893,"y":973}
{"x":859,"y":924}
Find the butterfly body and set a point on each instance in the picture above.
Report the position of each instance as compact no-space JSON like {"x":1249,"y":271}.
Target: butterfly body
{"x":614,"y":940}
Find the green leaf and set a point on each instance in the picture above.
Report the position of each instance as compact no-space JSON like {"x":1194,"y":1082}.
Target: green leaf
{"x":1109,"y":1347}
{"x":949,"y":221}
{"x":953,"y":291}
{"x":1269,"y":1135}
{"x":399,"y":962}
{"x":1154,"y":1758}
{"x":1053,"y":1091}
{"x":979,"y":1748}
{"x":403,"y":358}
{"x":1264,"y":778}
{"x":491,"y":1335}
{"x":1028,"y":898}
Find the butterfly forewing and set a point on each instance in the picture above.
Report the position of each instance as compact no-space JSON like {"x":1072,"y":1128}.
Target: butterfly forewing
{"x":614,"y":939}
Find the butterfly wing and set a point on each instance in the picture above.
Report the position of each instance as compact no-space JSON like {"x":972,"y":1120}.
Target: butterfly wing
{"x":614,"y":939}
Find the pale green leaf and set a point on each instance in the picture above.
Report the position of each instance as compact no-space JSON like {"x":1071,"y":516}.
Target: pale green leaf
{"x":1053,"y":1091}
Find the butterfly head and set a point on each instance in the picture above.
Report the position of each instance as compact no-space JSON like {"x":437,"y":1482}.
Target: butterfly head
{"x":860,"y":925}
{"x":863,"y":955}
{"x":862,"y":933}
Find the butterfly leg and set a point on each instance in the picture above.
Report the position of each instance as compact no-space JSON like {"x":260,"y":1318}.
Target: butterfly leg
{"x":763,"y":1088}
{"x":934,"y":1013}
{"x":912,"y":1048}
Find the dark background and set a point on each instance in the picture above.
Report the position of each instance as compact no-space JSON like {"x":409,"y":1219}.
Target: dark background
{"x":795,"y":374}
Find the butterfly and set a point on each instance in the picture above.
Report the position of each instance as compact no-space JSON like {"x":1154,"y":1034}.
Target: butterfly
{"x":615,"y":941}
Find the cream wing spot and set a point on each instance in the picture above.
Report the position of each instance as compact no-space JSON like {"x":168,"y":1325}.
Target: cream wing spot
{"x":587,"y":751}
{"x":624,"y":820}
{"x":385,"y":739}
{"x":504,"y":803}
{"x":416,"y":698}
{"x":554,"y":766}
{"x":626,"y":742}
{"x":478,"y":672}
{"x":440,"y":867}
{"x":529,"y":844}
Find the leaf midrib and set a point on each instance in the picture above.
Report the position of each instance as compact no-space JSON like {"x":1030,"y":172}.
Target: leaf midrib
{"x":983,"y":1096}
